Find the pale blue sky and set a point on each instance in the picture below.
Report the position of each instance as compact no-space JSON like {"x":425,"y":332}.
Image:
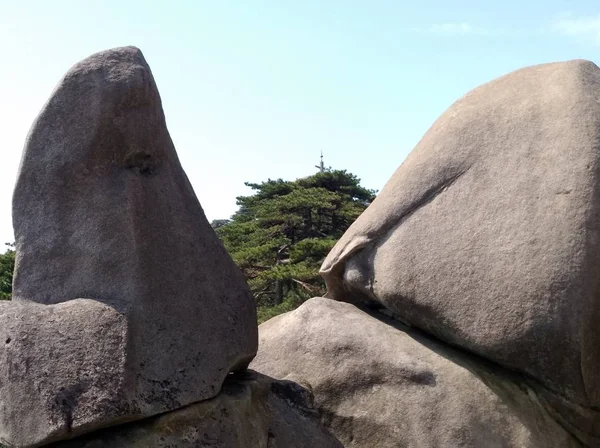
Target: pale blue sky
{"x":256,"y":89}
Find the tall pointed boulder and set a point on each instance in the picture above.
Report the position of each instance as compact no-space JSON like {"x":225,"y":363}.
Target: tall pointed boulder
{"x":103,"y":211}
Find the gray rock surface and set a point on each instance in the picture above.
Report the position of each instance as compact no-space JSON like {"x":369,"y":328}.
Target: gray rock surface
{"x":61,"y":368}
{"x":103,"y":211}
{"x":252,"y":411}
{"x":488,"y":235}
{"x":380,"y":385}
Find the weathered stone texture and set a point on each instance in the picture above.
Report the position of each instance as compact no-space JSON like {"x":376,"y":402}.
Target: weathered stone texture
{"x":379,"y":384}
{"x":252,"y":411}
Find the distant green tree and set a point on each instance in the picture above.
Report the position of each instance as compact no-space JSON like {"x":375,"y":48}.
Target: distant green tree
{"x":219,"y":223}
{"x":7,"y":266}
{"x":280,"y":235}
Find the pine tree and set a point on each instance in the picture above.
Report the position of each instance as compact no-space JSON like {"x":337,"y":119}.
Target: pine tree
{"x":281,"y":234}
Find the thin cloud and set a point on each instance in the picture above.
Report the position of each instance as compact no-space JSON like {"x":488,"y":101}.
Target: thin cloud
{"x":458,"y":29}
{"x":587,"y":28}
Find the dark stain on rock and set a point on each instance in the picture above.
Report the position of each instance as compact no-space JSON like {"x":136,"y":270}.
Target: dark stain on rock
{"x":141,"y":163}
{"x":66,"y":402}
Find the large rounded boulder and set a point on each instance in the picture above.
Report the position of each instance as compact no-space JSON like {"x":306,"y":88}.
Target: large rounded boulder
{"x":488,"y":235}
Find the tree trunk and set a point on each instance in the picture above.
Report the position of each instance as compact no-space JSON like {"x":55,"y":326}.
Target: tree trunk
{"x":279,"y":283}
{"x":278,"y":292}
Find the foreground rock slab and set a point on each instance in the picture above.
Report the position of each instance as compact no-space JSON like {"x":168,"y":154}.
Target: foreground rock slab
{"x":378,"y":384}
{"x":103,"y":211}
{"x":251,"y":411}
{"x":488,"y":235}
{"x":60,"y":366}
